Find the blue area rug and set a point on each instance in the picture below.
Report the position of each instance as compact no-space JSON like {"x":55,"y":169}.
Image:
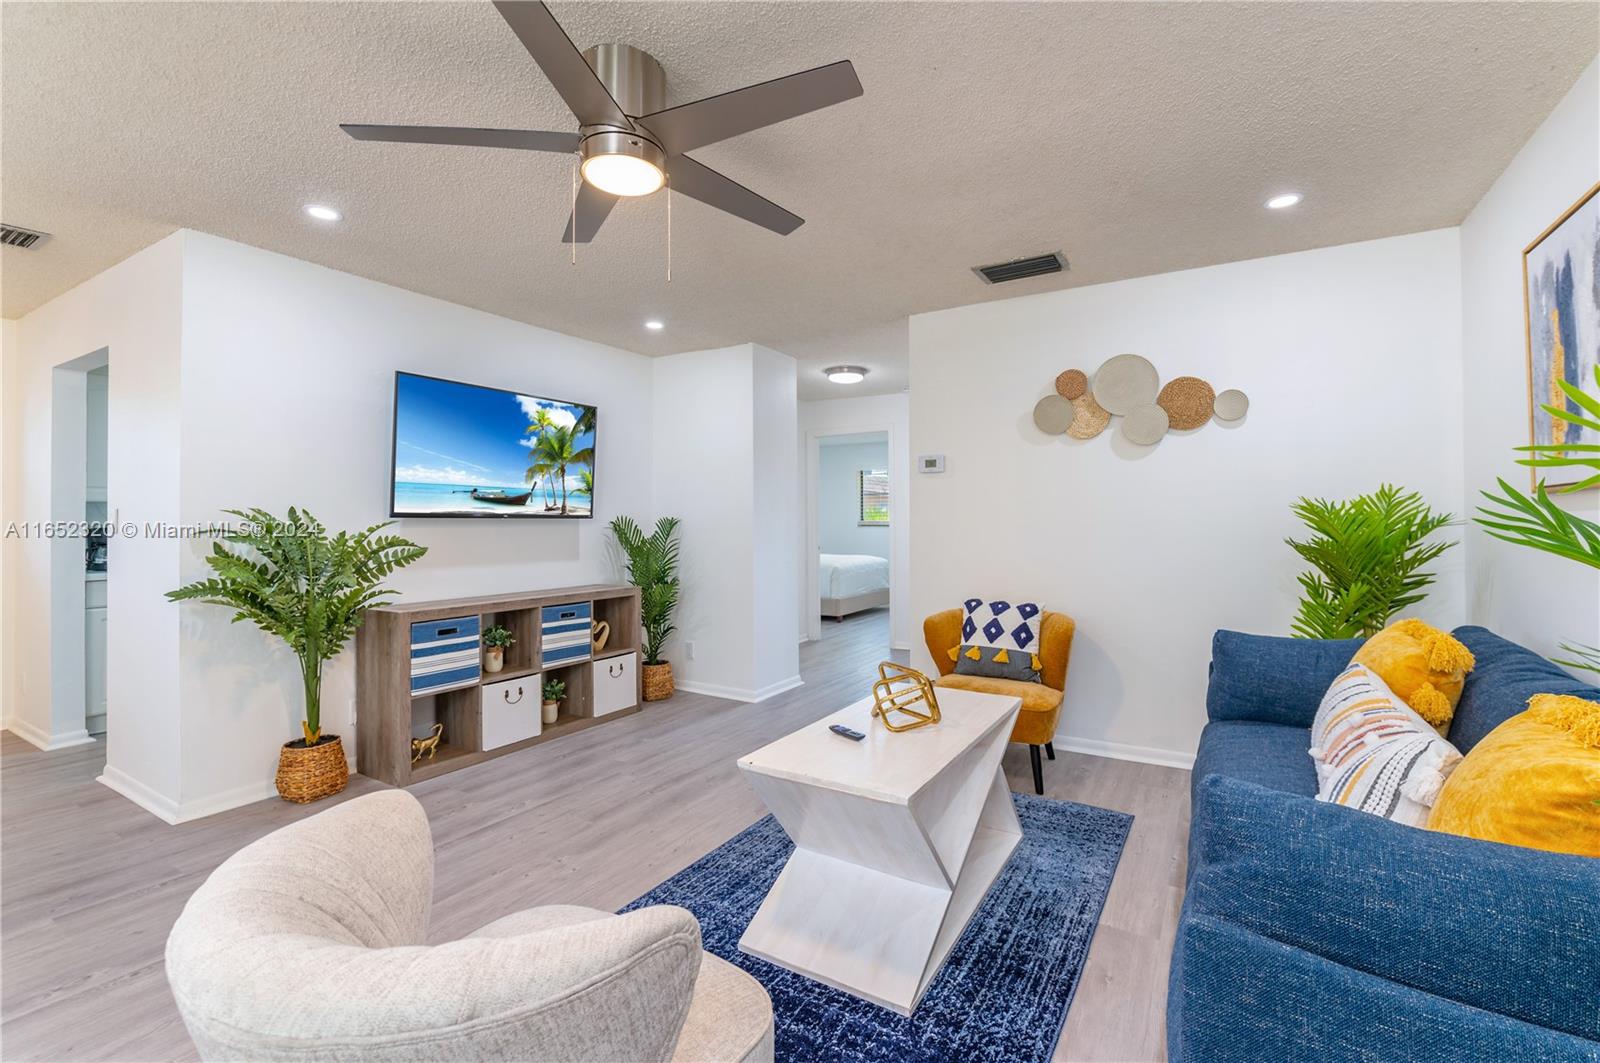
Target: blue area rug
{"x":1004,"y":990}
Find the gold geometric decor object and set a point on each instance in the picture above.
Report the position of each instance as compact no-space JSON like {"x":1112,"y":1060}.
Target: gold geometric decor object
{"x":1187,"y":400}
{"x":1072,"y":383}
{"x":1089,"y":419}
{"x":901,"y":689}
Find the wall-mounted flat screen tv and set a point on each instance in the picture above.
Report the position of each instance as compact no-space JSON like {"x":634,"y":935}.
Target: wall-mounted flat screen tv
{"x":461,"y":450}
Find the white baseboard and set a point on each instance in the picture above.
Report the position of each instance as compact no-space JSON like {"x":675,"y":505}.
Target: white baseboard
{"x":1167,"y":758}
{"x":715,"y":690}
{"x":157,"y":805}
{"x":905,"y":646}
{"x":42,"y":740}
{"x":174,"y":812}
{"x":222,"y":802}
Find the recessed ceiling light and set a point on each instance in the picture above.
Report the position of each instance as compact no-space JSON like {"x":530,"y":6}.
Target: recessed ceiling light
{"x":1288,"y":199}
{"x":654,"y":325}
{"x":845,"y":374}
{"x":321,"y":213}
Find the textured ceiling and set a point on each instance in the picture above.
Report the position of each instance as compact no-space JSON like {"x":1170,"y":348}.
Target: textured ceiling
{"x":1138,"y":138}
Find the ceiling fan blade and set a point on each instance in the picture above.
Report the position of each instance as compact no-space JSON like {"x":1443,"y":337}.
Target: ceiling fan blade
{"x":523,"y":139}
{"x":711,"y":188}
{"x":561,"y":62}
{"x":694,"y":125}
{"x":589,"y":212}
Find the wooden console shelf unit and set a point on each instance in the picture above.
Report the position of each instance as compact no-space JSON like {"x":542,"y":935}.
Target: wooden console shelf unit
{"x":394,"y":638}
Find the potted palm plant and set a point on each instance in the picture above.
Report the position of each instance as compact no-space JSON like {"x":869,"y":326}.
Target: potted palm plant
{"x":496,"y":640}
{"x":291,"y":579}
{"x":653,"y":568}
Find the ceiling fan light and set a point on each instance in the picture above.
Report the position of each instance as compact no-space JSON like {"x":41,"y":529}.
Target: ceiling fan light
{"x":623,"y":175}
{"x":845,"y":374}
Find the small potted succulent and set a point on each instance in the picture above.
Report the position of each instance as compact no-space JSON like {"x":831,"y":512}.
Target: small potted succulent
{"x":554,"y":691}
{"x":496,"y":640}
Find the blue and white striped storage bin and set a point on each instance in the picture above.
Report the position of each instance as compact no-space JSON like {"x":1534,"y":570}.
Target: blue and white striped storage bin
{"x":566,"y":633}
{"x":444,"y":654}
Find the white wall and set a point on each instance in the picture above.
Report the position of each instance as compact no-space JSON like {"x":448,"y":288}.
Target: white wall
{"x":776,"y":522}
{"x":133,"y":311}
{"x":288,"y":384}
{"x":839,"y":527}
{"x":868,"y":413}
{"x":1531,"y":597}
{"x":725,"y":464}
{"x":1351,"y":358}
{"x":702,"y":452}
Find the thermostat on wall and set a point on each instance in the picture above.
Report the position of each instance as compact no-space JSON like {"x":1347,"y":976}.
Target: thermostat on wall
{"x":930,"y":463}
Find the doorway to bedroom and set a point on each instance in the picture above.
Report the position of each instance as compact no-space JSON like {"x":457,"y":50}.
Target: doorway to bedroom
{"x":854,"y":508}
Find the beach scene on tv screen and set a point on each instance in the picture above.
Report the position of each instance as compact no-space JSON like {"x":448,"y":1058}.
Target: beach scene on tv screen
{"x":466,"y":450}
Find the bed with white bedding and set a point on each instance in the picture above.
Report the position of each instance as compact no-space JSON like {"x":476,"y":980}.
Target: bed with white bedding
{"x":850,"y":583}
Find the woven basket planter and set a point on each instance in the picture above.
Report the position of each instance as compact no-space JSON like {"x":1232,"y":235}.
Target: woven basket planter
{"x":657,"y":682}
{"x":310,"y":774}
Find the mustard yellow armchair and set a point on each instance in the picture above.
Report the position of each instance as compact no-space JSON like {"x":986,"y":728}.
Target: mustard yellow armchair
{"x":1041,"y":702}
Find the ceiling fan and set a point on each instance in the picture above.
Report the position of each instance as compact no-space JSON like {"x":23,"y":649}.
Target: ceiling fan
{"x":628,"y":143}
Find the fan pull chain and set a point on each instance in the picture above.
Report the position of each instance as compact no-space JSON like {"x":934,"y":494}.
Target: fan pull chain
{"x":574,"y":222}
{"x":669,"y":228}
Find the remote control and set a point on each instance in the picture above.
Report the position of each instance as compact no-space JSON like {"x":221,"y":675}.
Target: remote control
{"x":844,"y":732}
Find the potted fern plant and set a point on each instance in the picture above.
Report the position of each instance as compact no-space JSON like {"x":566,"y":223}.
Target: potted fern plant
{"x":496,"y":640}
{"x":653,"y":568}
{"x":1367,"y":556}
{"x":291,"y":579}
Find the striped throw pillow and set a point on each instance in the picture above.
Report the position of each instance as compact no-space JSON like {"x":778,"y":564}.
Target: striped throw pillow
{"x":1374,"y":753}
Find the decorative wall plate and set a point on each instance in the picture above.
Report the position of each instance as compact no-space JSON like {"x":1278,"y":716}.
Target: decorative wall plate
{"x":1124,"y":382}
{"x":1188,"y":401}
{"x":1052,"y":414}
{"x":1072,"y":383}
{"x":1231,"y":405}
{"x":1145,"y":425}
{"x":1088,"y":418}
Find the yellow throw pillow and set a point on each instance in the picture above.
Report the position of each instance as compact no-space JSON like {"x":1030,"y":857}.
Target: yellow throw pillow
{"x":1425,"y":667}
{"x":1532,"y":781}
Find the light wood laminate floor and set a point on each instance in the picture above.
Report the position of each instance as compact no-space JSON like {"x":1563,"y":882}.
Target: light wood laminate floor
{"x":90,"y":884}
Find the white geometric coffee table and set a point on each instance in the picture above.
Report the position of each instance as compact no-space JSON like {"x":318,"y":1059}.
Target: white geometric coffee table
{"x":897,"y":840}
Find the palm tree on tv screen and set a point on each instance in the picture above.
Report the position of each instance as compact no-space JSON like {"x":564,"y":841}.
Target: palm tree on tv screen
{"x":552,"y":453}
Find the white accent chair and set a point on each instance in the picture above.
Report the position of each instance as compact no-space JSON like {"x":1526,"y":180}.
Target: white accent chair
{"x":310,"y":944}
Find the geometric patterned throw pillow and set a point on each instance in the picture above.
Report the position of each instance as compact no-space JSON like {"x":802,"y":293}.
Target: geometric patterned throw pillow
{"x":1374,"y":753}
{"x":1000,"y":640}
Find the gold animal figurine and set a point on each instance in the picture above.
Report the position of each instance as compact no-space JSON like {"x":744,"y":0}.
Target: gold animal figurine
{"x":900,"y":689}
{"x":429,"y":745}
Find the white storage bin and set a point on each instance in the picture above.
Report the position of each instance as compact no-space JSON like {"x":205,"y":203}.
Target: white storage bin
{"x":510,"y":711}
{"x":616,"y":683}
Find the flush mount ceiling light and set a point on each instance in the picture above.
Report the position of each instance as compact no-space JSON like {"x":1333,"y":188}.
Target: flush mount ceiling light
{"x":654,"y":325}
{"x":1284,"y":201}
{"x":845,"y":374}
{"x":628,"y":142}
{"x":321,"y":213}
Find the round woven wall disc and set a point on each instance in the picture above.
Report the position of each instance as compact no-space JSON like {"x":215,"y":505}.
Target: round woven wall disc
{"x":1088,"y":419}
{"x":1072,"y":383}
{"x":1124,"y":382}
{"x":1052,"y":414}
{"x":1231,"y":405}
{"x":1188,"y":401}
{"x":1145,"y":424}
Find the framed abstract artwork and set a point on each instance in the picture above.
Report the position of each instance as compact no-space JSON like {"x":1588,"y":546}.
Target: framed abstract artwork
{"x":1561,"y":293}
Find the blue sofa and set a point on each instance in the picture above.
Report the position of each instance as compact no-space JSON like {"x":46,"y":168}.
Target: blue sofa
{"x":1315,"y":932}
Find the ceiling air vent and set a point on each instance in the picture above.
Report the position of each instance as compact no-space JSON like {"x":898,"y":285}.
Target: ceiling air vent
{"x":1020,"y":268}
{"x":16,"y":236}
